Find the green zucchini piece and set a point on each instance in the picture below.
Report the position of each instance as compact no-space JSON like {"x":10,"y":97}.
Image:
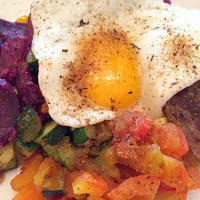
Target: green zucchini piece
{"x":32,"y":63}
{"x":67,"y":152}
{"x":81,"y":135}
{"x":26,"y":149}
{"x":8,"y":158}
{"x":29,"y":124}
{"x":51,"y":151}
{"x":53,"y":193}
{"x":52,"y":133}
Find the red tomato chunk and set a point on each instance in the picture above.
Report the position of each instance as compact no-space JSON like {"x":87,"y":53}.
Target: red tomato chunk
{"x":141,"y":186}
{"x":133,"y":124}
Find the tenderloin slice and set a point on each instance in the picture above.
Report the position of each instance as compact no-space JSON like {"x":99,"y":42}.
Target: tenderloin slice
{"x":183,"y":109}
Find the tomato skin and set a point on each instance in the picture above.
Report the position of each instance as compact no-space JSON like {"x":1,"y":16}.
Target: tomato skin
{"x":171,"y":140}
{"x":89,"y":183}
{"x":29,"y":191}
{"x":28,"y":172}
{"x":133,"y":124}
{"x":143,"y":185}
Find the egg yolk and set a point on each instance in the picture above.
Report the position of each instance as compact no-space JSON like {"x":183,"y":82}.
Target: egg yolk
{"x":109,"y":71}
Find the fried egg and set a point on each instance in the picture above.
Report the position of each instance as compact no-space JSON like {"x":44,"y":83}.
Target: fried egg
{"x":98,"y":58}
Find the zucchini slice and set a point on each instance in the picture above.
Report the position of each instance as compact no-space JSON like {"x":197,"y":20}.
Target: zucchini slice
{"x":29,"y":124}
{"x":26,"y":149}
{"x":8,"y":158}
{"x":67,"y":152}
{"x":53,"y":193}
{"x":81,"y":135}
{"x":52,"y":133}
{"x":32,"y":63}
{"x":51,"y":151}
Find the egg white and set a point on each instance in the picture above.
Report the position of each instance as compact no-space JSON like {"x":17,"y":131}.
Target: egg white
{"x":153,"y":27}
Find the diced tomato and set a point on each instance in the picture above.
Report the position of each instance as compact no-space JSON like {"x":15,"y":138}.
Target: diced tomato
{"x":70,"y":178}
{"x":88,"y":183}
{"x":146,"y":159}
{"x":167,"y":187}
{"x":141,"y":186}
{"x":175,"y":175}
{"x":28,"y":172}
{"x":169,"y":195}
{"x":28,"y":192}
{"x":133,"y":124}
{"x":50,"y":175}
{"x":171,"y":140}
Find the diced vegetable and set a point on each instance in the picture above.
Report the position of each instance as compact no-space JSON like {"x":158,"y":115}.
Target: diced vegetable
{"x":161,"y":121}
{"x":53,"y":193}
{"x":52,"y":133}
{"x":106,"y":161}
{"x":9,"y":110}
{"x":175,"y":175}
{"x":29,"y":191}
{"x":33,"y":63}
{"x":51,"y":151}
{"x":7,"y":157}
{"x":146,"y":159}
{"x":26,"y":149}
{"x":51,"y":178}
{"x":29,"y":124}
{"x":171,"y":140}
{"x":70,"y":178}
{"x":87,"y":183}
{"x":67,"y":152}
{"x":133,"y":124}
{"x":81,"y":135}
{"x":141,"y":186}
{"x":28,"y":172}
{"x":23,"y":19}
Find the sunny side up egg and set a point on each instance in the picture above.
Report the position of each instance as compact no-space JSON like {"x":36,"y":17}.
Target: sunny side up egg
{"x":98,"y":58}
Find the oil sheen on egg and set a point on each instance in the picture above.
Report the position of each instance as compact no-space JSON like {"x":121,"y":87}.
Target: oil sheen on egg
{"x":98,"y":58}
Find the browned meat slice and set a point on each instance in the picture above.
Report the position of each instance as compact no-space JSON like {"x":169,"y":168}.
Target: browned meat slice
{"x":183,"y":109}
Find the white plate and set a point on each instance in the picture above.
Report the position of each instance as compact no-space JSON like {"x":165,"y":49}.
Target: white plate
{"x":12,"y":10}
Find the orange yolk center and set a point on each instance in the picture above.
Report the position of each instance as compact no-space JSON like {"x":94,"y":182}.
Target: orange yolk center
{"x":109,"y":72}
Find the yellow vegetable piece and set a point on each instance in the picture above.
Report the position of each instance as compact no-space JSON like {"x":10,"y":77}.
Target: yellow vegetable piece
{"x":161,"y":121}
{"x":23,"y":19}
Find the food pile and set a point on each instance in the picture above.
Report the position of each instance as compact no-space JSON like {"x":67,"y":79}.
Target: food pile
{"x":130,"y":157}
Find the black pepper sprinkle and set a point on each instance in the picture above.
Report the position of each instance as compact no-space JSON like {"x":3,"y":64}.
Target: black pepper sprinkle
{"x":64,"y":50}
{"x":134,"y":46}
{"x":82,"y":23}
{"x":152,"y":57}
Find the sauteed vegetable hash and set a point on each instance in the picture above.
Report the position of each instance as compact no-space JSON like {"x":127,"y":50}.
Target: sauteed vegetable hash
{"x":83,"y":88}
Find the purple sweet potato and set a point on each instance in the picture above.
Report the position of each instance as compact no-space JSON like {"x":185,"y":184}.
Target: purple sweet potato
{"x":9,"y":105}
{"x":28,"y":91}
{"x":10,"y":30}
{"x":167,"y":1}
{"x":9,"y":112}
{"x":6,"y":135}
